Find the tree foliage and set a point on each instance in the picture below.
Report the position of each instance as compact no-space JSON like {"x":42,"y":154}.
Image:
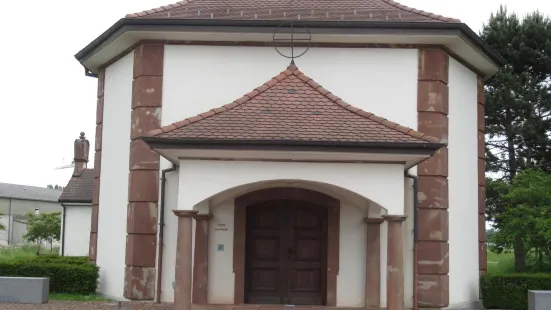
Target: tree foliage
{"x":518,"y":109}
{"x":43,"y":227}
{"x":518,"y":97}
{"x":56,"y":187}
{"x":2,"y":226}
{"x":525,"y":214}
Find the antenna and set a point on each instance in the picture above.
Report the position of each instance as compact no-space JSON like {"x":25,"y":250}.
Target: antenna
{"x":71,"y":165}
{"x":292,"y":36}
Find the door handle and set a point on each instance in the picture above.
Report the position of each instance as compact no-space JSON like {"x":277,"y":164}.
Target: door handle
{"x":290,"y":251}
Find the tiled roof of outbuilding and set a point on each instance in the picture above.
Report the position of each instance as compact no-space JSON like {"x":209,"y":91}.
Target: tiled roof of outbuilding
{"x":79,"y":188}
{"x":25,"y":192}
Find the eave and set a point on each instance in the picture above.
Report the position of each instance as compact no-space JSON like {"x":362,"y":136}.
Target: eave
{"x":457,"y":38}
{"x":408,"y":154}
{"x":77,"y":202}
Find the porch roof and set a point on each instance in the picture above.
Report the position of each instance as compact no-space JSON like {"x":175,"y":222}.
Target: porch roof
{"x":292,"y":109}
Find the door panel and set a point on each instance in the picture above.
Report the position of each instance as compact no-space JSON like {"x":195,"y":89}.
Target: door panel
{"x":307,"y":260}
{"x":286,"y":253}
{"x":264,"y":247}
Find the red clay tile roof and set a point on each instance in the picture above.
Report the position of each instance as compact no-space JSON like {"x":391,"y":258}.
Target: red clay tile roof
{"x":79,"y":188}
{"x":290,"y":107}
{"x":313,"y":10}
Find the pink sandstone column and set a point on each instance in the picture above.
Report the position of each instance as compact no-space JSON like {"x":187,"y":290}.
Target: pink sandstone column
{"x":183,"y":273}
{"x":433,"y":234}
{"x":143,"y":186}
{"x":201,"y":259}
{"x":482,"y":259}
{"x":395,"y":262}
{"x":93,"y":246}
{"x":373,"y":263}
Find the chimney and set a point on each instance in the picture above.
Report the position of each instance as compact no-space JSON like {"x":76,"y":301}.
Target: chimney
{"x":82,"y":147}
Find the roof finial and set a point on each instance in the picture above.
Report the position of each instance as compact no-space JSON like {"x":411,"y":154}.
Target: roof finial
{"x":292,"y":65}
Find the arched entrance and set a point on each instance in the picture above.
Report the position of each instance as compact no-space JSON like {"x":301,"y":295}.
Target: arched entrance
{"x":286,"y":247}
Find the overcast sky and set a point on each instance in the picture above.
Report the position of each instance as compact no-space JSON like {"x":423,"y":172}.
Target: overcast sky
{"x":46,"y":100}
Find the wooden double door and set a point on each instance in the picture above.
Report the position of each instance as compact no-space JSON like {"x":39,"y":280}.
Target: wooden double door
{"x":286,"y":253}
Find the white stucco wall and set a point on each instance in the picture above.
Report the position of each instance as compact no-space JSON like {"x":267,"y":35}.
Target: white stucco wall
{"x":365,"y":78}
{"x":76,"y":234}
{"x":373,"y":181}
{"x":463,"y":184}
{"x":199,"y":78}
{"x":114,"y":176}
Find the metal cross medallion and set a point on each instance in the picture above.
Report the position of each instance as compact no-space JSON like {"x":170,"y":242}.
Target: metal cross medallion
{"x":292,"y":37}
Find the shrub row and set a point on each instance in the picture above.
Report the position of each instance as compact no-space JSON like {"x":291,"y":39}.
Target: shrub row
{"x":66,"y":275}
{"x":510,"y":291}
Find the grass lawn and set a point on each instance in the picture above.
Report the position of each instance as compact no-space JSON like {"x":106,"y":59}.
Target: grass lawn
{"x":500,"y":263}
{"x":76,"y":297}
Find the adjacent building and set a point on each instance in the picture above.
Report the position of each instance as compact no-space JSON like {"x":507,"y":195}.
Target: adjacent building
{"x":76,"y":201}
{"x":16,"y":201}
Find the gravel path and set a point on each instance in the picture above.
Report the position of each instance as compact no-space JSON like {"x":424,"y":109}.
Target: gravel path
{"x":87,"y":305}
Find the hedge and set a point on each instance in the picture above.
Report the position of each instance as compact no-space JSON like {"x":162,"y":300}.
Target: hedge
{"x":510,"y":291}
{"x":64,"y":277}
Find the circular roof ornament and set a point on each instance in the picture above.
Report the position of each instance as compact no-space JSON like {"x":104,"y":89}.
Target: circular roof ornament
{"x":292,"y":41}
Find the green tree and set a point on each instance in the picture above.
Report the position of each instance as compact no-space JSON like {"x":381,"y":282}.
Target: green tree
{"x":43,"y":227}
{"x":57,"y":187}
{"x":496,"y":189}
{"x":518,"y":104}
{"x":527,"y":214}
{"x":2,"y":226}
{"x":489,"y":233}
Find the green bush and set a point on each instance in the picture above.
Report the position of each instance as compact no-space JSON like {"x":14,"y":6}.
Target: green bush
{"x":510,"y":291}
{"x":64,"y":277}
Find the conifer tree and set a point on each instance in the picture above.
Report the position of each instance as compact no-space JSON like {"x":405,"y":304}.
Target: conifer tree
{"x":518,"y":105}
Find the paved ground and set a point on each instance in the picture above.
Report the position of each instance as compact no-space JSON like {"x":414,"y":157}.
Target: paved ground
{"x":90,"y":305}
{"x":87,"y":305}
